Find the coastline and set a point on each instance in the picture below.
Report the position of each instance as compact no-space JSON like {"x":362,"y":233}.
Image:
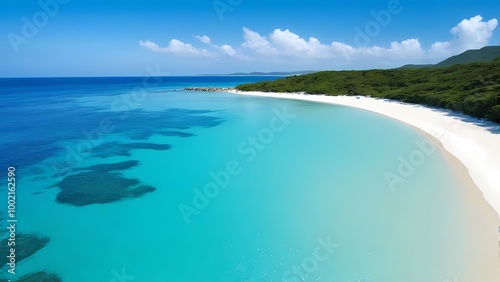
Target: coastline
{"x":469,"y":145}
{"x":471,"y":149}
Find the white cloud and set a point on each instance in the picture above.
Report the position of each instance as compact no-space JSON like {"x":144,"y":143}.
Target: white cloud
{"x":203,"y":39}
{"x":150,"y":45}
{"x":177,"y":47}
{"x":440,"y":48}
{"x":257,"y":43}
{"x":473,"y":33}
{"x":290,"y":44}
{"x":284,"y":44}
{"x":409,"y":45}
{"x":342,"y":49}
{"x":229,"y":51}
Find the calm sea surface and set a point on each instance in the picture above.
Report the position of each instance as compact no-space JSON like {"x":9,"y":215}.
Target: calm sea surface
{"x":134,"y":179}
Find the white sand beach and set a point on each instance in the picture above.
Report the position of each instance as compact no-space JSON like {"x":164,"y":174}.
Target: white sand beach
{"x":474,"y":143}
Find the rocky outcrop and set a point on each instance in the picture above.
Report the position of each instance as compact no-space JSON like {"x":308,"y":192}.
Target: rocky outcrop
{"x":209,"y":89}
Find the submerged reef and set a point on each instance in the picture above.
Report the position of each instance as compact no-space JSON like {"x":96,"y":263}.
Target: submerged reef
{"x":100,"y":184}
{"x":177,"y":133}
{"x":120,"y":149}
{"x":99,"y":187}
{"x":40,"y":276}
{"x":112,"y":167}
{"x":26,"y":245}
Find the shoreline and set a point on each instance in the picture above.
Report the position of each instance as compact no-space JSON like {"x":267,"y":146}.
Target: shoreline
{"x":469,"y":145}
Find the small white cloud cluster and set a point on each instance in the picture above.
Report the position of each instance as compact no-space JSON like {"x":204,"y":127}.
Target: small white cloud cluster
{"x":470,"y":33}
{"x":179,"y":48}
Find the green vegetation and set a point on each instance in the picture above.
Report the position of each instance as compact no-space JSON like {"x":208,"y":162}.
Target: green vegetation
{"x":473,"y":89}
{"x":485,"y":54}
{"x":273,"y":73}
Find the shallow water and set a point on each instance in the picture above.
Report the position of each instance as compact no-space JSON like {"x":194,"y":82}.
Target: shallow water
{"x":243,"y":188}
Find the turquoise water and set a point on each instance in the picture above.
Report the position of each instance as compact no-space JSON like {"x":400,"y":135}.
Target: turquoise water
{"x":248,"y":189}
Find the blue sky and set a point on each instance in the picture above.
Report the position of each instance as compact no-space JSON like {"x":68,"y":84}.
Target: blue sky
{"x":108,"y":38}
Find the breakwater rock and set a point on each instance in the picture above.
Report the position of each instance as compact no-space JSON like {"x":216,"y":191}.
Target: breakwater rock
{"x":210,"y":89}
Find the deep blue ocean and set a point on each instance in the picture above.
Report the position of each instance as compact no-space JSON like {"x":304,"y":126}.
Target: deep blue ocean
{"x":135,"y":179}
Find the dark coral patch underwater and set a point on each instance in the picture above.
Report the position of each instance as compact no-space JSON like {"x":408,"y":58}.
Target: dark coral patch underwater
{"x":26,"y":245}
{"x":101,"y":184}
{"x":58,"y":123}
{"x":120,"y":149}
{"x":171,"y":119}
{"x":177,"y":133}
{"x":88,"y":188}
{"x":112,"y":167}
{"x":40,"y":276}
